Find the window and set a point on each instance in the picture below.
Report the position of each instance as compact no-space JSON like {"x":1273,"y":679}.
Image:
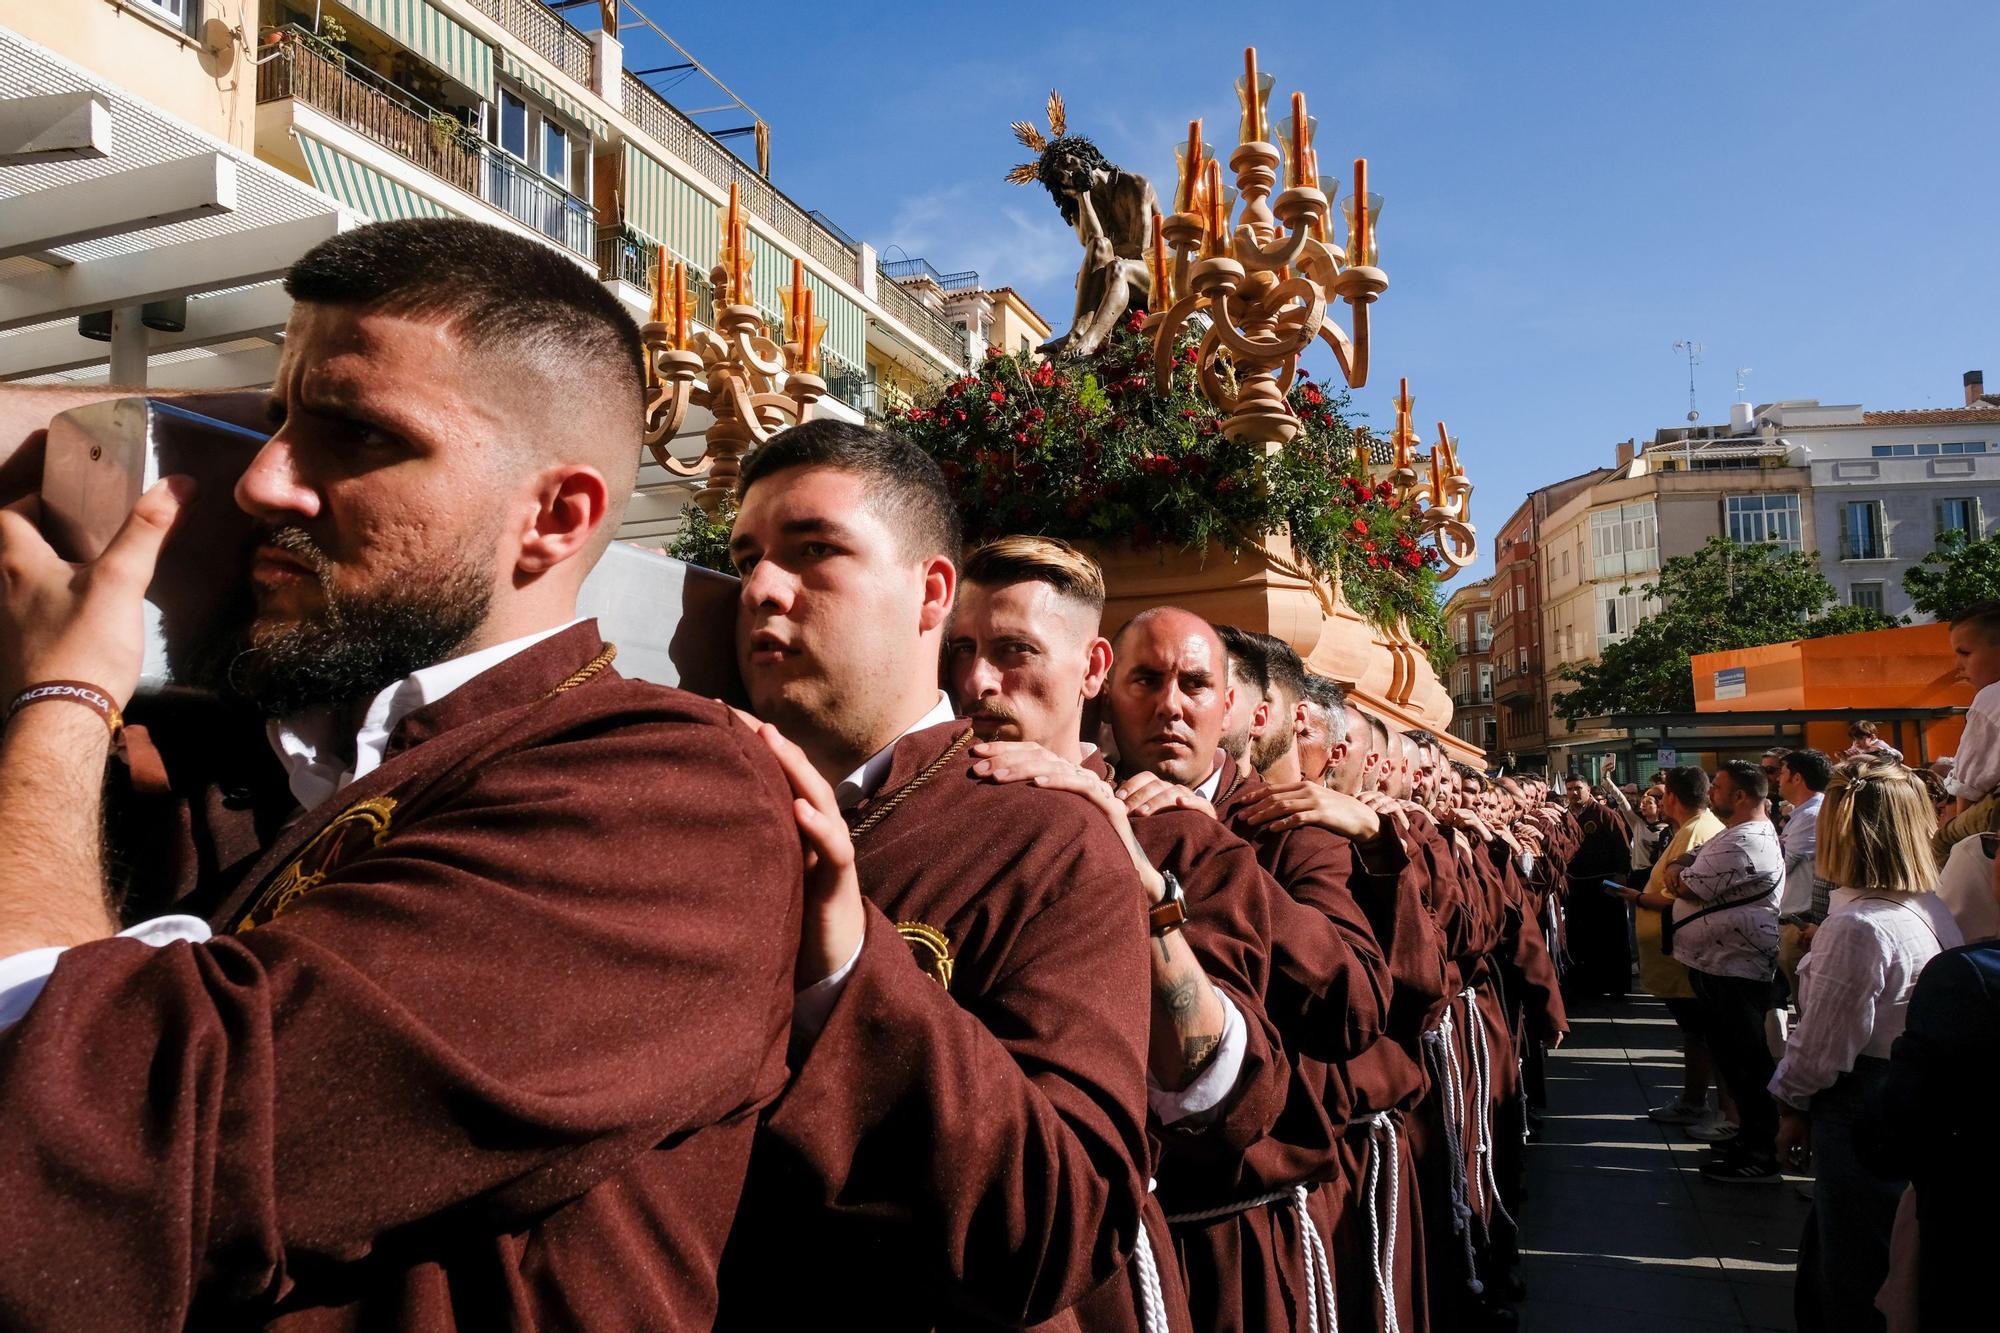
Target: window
{"x":1958,"y":516}
{"x":1861,"y":533}
{"x":1520,"y":596}
{"x":1624,"y":540}
{"x":555,"y":152}
{"x":1867,"y":596}
{"x":182,"y":13}
{"x":1027,"y":347}
{"x":1927,"y":450}
{"x":1755,"y":519}
{"x":1618,"y":612}
{"x":1565,"y":553}
{"x":1524,"y":661}
{"x":1482,"y":631}
{"x":513,"y":125}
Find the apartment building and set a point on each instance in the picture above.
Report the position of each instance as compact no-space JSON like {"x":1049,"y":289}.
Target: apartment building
{"x":1520,"y":691}
{"x":988,"y":319}
{"x":1468,"y":618}
{"x":1868,"y":491}
{"x":500,"y":110}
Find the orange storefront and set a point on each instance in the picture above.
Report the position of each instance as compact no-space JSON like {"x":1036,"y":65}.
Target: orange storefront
{"x":1889,"y":669}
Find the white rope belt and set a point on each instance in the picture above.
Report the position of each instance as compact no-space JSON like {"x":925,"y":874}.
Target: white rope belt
{"x":1152,"y":1301}
{"x":1382,"y":1240}
{"x":1482,"y":1079}
{"x":1319,"y":1269}
{"x":1450,"y":1079}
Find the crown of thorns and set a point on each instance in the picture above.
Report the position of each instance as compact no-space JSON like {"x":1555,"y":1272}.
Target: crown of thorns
{"x":1057,"y":146}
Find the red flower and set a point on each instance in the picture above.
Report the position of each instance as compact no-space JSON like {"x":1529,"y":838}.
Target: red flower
{"x":1368,"y":546}
{"x":1374,"y":562}
{"x":1413,"y":560}
{"x":1384,"y":490}
{"x":1138,"y":321}
{"x":1361,"y":527}
{"x":1020,"y":437}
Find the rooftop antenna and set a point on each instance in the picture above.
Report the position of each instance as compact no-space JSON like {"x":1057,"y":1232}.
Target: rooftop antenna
{"x":1742,"y":392}
{"x":1694,"y":351}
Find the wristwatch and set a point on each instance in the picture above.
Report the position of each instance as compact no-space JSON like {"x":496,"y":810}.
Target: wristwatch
{"x":1170,"y":913}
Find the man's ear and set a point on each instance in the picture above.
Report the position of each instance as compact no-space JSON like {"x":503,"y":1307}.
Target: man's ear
{"x":1098,"y":670}
{"x":1260,"y":718}
{"x":570,"y":504}
{"x":940,"y":587}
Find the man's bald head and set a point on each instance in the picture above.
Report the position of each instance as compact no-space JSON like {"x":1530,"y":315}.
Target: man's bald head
{"x":1169,"y":694}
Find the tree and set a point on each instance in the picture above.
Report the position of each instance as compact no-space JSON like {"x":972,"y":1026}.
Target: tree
{"x":1721,"y":597}
{"x":1959,"y":571}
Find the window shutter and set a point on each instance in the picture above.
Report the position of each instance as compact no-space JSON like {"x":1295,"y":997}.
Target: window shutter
{"x":1881,"y":529}
{"x":1846,"y":541}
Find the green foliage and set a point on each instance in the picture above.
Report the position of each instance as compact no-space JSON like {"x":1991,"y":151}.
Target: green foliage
{"x":1721,"y":597}
{"x":703,"y":540}
{"x":1959,"y":571}
{"x":1093,"y":453}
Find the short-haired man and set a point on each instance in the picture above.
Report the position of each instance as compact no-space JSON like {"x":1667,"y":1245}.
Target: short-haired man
{"x":1318,"y":735}
{"x":1726,"y":932}
{"x":477,"y":1039}
{"x":1026,"y":626}
{"x":1803,"y":776}
{"x":1975,"y":771}
{"x":1254,"y":732}
{"x":966,"y":1117}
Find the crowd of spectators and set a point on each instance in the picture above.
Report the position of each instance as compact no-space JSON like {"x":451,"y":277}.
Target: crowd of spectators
{"x":1825,"y":932}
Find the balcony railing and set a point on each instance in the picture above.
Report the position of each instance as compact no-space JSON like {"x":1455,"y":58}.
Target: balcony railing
{"x":544,"y":31}
{"x":694,"y":146}
{"x":434,"y":140}
{"x":942,"y":335}
{"x":373,"y":107}
{"x":903,"y":270}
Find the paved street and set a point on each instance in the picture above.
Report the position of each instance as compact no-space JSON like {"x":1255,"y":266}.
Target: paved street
{"x":1621,"y":1234}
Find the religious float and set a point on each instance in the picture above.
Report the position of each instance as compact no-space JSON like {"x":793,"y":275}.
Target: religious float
{"x":1171,"y":431}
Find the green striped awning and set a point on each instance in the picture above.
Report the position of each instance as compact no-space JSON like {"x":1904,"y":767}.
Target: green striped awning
{"x":668,"y":210}
{"x":453,"y":48}
{"x":547,"y":91}
{"x":362,"y":188}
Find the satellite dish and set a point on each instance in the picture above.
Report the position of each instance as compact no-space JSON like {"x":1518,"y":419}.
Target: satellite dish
{"x":218,"y":47}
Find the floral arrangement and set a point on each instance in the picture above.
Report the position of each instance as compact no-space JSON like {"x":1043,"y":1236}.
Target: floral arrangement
{"x":1089,"y":452}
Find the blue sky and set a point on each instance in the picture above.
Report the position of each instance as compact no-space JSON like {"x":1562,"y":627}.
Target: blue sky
{"x":1810,"y":190}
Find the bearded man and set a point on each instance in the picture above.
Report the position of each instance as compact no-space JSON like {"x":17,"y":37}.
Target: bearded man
{"x":1593,"y":905}
{"x":961,"y":1140}
{"x":452,"y":1030}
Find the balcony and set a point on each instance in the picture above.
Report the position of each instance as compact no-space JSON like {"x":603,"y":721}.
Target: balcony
{"x":436,"y":141}
{"x":910,"y":270}
{"x":942,"y":336}
{"x":545,"y":33}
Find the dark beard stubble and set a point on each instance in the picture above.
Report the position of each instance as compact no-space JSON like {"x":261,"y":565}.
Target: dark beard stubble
{"x":356,"y":645}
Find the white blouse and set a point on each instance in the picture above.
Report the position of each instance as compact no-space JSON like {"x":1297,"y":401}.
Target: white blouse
{"x":1855,"y":984}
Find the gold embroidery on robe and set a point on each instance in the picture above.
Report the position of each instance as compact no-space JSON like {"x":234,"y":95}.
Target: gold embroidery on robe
{"x":356,"y":829}
{"x":930,"y":947}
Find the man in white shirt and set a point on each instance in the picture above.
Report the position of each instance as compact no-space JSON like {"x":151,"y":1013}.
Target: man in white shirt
{"x":1975,"y":771}
{"x":1726,"y":932}
{"x":1802,"y":776}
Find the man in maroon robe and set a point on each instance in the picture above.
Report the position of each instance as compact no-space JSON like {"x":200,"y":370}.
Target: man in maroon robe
{"x":478,"y":1037}
{"x":960,"y":1144}
{"x":1023,"y":656}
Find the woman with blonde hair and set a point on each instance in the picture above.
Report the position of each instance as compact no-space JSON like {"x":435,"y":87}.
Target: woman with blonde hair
{"x":1854,"y":991}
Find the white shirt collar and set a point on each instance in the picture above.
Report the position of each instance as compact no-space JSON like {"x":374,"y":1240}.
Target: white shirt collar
{"x":309,"y":743}
{"x":864,"y":781}
{"x":1209,"y":785}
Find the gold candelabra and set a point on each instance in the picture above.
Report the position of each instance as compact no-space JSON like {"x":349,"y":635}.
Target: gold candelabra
{"x":1441,"y":504}
{"x":753,"y":384}
{"x":1265,"y":283}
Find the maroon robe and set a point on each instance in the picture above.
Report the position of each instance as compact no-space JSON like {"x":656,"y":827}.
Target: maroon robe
{"x":1317,"y":867}
{"x":960,"y":1146}
{"x":496,"y":1062}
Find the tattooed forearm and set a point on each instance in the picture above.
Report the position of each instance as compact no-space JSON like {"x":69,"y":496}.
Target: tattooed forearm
{"x":1187,"y":1014}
